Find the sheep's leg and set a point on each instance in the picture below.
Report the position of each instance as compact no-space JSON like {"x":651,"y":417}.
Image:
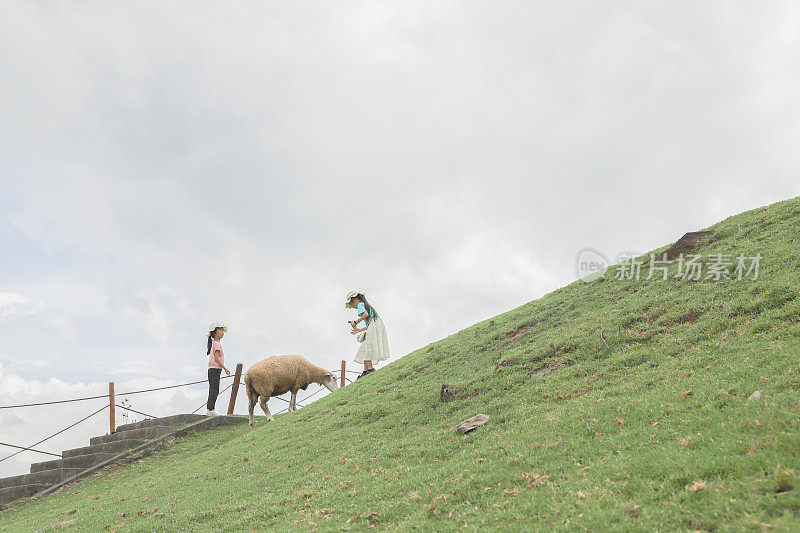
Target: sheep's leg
{"x":293,"y":401}
{"x":252,"y":404}
{"x":263,"y":403}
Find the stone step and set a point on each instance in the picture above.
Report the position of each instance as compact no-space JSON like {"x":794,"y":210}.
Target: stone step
{"x":146,"y":433}
{"x":49,"y":475}
{"x":9,"y":494}
{"x":76,"y":461}
{"x":47,"y":478}
{"x":224,"y":420}
{"x":108,"y":447}
{"x":174,"y":420}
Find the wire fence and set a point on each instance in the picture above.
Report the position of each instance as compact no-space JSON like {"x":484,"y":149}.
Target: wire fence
{"x":111,"y":395}
{"x":30,"y":448}
{"x":220,"y":392}
{"x":134,"y":411}
{"x":286,"y":409}
{"x":297,"y":402}
{"x":23,"y":448}
{"x":106,"y":395}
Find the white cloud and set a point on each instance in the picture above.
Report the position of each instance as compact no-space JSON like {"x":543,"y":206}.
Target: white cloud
{"x":8,"y":300}
{"x":14,"y":304}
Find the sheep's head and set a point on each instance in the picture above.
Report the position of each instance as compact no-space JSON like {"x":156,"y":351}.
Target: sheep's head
{"x":330,"y":381}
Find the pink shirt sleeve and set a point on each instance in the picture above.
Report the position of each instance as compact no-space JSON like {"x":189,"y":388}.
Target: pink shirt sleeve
{"x":212,"y":363}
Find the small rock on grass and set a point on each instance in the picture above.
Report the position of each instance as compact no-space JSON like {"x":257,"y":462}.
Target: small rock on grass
{"x":471,"y":423}
{"x":633,"y":510}
{"x":446,"y":394}
{"x":756,"y":395}
{"x":548,"y":370}
{"x":57,"y":525}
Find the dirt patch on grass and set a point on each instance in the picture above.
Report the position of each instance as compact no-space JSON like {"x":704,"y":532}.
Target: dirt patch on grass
{"x":562,"y":349}
{"x":466,"y":392}
{"x":638,"y":335}
{"x":508,"y":362}
{"x":551,"y":354}
{"x":512,"y":335}
{"x":644,"y":316}
{"x":505,"y":363}
{"x":630,"y":321}
{"x":475,"y":393}
{"x":760,"y":301}
{"x":686,"y":244}
{"x":690,"y":317}
{"x":654,"y":315}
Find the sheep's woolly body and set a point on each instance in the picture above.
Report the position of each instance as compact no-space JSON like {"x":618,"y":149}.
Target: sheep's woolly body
{"x":279,"y":374}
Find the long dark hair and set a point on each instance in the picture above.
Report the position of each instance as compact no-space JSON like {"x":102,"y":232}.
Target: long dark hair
{"x":371,"y":310}
{"x":210,"y":340}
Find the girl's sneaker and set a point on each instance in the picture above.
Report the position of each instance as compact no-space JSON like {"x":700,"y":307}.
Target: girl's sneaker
{"x":211,"y":413}
{"x":365,"y":372}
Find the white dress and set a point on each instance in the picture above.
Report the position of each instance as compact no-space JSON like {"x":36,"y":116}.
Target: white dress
{"x":375,"y":346}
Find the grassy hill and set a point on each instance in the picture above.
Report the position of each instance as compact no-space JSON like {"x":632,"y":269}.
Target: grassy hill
{"x":649,"y":423}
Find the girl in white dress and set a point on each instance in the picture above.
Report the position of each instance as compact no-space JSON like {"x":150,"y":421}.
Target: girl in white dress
{"x":375,"y":346}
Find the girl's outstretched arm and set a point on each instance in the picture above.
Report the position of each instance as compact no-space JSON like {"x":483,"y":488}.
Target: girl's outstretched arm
{"x":219,"y":362}
{"x":363,"y":316}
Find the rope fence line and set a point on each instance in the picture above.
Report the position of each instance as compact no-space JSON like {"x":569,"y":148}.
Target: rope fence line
{"x":84,"y":398}
{"x":53,"y":402}
{"x":313,"y":394}
{"x":304,"y":399}
{"x":278,"y":397}
{"x":106,"y":395}
{"x":220,"y":392}
{"x":112,"y":404}
{"x":168,"y":387}
{"x":297,"y":402}
{"x":28,"y":449}
{"x":56,"y":433}
{"x":134,"y":411}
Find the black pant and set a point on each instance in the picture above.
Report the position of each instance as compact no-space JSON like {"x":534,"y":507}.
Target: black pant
{"x":213,"y":387}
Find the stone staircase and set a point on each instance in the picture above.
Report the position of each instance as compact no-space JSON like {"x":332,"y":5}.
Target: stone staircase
{"x":83,"y":461}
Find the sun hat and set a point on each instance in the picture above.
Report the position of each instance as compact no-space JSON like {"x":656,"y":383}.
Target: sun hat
{"x":349,"y":296}
{"x":216,"y":325}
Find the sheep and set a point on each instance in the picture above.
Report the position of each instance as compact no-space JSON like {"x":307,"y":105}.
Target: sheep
{"x":279,"y":374}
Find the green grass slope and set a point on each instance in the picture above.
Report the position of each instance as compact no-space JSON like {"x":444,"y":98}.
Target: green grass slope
{"x":647,"y":426}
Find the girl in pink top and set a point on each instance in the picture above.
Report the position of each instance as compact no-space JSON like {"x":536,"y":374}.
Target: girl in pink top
{"x":216,"y":364}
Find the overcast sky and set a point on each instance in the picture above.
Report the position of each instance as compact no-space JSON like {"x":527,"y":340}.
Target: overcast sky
{"x":167,"y":165}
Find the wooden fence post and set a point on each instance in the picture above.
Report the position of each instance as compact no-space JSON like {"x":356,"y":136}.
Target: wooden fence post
{"x":235,"y":389}
{"x":343,"y":371}
{"x":112,"y":422}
